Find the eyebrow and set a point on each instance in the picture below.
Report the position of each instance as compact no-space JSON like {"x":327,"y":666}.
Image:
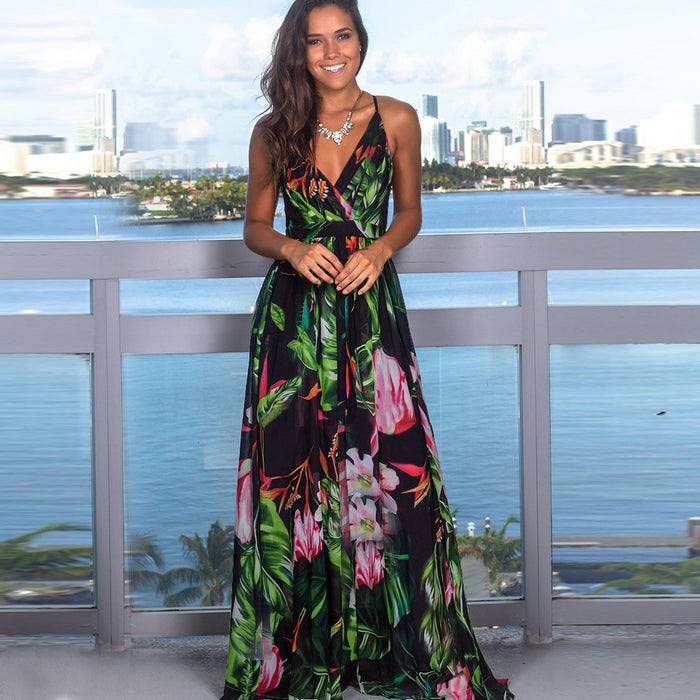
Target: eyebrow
{"x":337,"y":31}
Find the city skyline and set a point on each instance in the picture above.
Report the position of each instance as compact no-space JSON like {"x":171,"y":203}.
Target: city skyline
{"x":200,"y":76}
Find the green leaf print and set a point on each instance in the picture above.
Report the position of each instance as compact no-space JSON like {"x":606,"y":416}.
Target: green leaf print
{"x":247,"y":623}
{"x":275,"y":558}
{"x":431,"y":629}
{"x":365,"y":374}
{"x":398,"y":583}
{"x":277,"y":315}
{"x":304,"y":349}
{"x":276,"y":402}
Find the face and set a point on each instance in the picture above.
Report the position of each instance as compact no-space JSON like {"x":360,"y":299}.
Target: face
{"x":332,"y":47}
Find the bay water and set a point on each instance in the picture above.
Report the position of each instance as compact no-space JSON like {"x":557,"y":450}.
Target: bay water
{"x":625,"y":436}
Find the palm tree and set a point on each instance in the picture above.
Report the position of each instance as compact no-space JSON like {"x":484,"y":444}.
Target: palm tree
{"x":142,"y":553}
{"x":211,"y":576}
{"x":649,"y":576}
{"x":22,"y":560}
{"x":498,"y":552}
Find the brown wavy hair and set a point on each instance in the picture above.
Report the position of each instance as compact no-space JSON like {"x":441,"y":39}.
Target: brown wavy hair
{"x":289,"y":125}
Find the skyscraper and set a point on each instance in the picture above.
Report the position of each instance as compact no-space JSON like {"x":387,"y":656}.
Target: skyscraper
{"x":430,"y":106}
{"x":106,"y":120}
{"x":430,"y":139}
{"x":575,"y":128}
{"x":533,"y":109}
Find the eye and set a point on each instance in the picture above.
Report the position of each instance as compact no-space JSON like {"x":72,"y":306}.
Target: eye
{"x":313,"y":42}
{"x":343,"y":36}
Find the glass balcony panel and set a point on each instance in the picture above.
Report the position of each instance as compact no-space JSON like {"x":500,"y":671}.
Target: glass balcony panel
{"x":597,"y":287}
{"x":472,"y":394}
{"x":460,"y":289}
{"x":182,"y":417}
{"x":44,"y":297}
{"x":195,"y":296}
{"x":625,"y":482}
{"x":46,"y":555}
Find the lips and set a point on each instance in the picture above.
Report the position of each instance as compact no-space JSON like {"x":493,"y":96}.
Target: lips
{"x":336,"y":68}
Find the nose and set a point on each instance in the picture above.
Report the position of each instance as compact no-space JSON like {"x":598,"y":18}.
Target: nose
{"x":331,"y":49}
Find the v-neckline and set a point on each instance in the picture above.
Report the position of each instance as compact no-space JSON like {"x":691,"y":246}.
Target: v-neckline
{"x":335,"y":185}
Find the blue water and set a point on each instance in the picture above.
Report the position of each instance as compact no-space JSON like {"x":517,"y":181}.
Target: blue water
{"x":617,"y":466}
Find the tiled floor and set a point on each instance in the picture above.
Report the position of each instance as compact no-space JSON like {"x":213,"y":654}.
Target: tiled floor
{"x":583,"y":663}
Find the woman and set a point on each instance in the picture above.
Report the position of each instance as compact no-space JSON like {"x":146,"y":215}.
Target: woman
{"x":346,"y":569}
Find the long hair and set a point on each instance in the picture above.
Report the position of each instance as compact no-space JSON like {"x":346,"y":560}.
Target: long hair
{"x":289,"y":125}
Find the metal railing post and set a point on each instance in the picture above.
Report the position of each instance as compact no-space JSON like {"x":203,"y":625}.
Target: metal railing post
{"x":108,"y":498}
{"x":536,"y":487}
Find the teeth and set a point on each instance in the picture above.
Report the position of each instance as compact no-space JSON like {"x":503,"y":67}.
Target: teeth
{"x":334,"y":69}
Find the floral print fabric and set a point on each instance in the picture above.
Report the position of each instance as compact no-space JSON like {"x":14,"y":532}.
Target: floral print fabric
{"x":346,"y":569}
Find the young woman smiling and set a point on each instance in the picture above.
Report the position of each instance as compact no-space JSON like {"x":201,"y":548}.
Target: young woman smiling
{"x":346,"y":567}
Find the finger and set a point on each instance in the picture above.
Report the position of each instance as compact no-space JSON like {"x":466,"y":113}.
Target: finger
{"x":361,"y":278}
{"x":367,"y":285}
{"x":322,"y":273}
{"x":332,"y":260}
{"x":350,"y":271}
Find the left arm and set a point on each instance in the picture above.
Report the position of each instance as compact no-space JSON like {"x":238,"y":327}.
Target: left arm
{"x":364,"y":266}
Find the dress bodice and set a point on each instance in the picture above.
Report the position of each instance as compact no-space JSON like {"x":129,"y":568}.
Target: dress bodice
{"x":360,"y":195}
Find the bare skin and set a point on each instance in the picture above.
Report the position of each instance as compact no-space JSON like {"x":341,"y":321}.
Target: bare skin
{"x":333,"y":43}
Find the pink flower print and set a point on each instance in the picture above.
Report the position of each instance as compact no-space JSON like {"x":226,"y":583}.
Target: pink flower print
{"x":374,"y":441}
{"x":369,"y":564}
{"x":244,"y":501}
{"x":429,"y":437}
{"x":414,"y":369}
{"x":359,"y":471}
{"x":450,"y":589}
{"x":271,"y":669}
{"x":307,"y":536}
{"x":393,"y":403}
{"x":457,"y":688}
{"x":363,"y":521}
{"x":389,"y":482}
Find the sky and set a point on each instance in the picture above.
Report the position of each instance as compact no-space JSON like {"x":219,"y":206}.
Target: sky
{"x":197,"y":69}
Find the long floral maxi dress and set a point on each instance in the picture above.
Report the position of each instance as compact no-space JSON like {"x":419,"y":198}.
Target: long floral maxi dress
{"x":346,"y":569}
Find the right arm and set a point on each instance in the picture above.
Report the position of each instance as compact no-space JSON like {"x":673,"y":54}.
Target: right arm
{"x":313,"y":261}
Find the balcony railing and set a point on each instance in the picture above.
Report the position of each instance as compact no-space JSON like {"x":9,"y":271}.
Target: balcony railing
{"x":533,"y":326}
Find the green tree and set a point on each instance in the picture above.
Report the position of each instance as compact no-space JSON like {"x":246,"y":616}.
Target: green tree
{"x":650,"y":578}
{"x":497,"y":551}
{"x":209,"y":579}
{"x":21,"y":559}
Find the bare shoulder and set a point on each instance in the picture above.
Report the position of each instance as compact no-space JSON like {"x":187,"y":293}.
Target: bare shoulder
{"x":400,"y":119}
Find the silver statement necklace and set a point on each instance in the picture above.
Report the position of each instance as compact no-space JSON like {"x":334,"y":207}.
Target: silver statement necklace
{"x":344,"y":130}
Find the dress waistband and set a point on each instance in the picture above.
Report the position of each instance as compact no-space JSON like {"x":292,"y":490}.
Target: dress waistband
{"x":332,"y":229}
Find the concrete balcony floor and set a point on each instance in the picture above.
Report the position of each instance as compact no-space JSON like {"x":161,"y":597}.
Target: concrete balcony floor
{"x":582,"y":663}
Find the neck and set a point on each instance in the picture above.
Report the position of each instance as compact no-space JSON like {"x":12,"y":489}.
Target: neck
{"x":338,"y":100}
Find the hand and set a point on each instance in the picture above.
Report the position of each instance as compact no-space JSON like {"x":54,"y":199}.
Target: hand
{"x":314,"y":261}
{"x":361,"y":270}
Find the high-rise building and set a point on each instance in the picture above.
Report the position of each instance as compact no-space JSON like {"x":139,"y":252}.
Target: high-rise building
{"x":676,"y":126}
{"x":476,"y":147}
{"x":533,"y":108}
{"x":498,"y":142}
{"x":627,"y":135}
{"x":84,"y":135}
{"x":148,"y":136}
{"x":430,"y":139}
{"x":576,"y":128}
{"x":106,"y":120}
{"x":429,"y":106}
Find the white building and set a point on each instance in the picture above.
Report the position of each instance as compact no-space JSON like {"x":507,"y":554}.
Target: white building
{"x":430,"y":139}
{"x":497,"y":147}
{"x":106,"y":120}
{"x":676,"y":126}
{"x":587,"y":153}
{"x":533,"y":109}
{"x":524,"y":153}
{"x":476,"y":147}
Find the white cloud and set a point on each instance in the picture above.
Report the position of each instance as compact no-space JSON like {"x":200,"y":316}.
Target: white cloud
{"x":194,"y":128}
{"x":481,"y":58}
{"x":49,"y":45}
{"x":237,"y":54}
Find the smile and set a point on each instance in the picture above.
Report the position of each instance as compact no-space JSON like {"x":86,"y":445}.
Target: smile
{"x":334,"y":69}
